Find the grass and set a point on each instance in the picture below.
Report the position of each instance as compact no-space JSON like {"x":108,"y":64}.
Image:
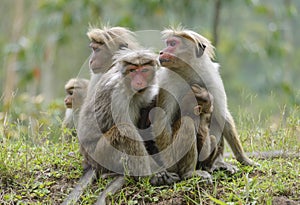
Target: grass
{"x":39,"y":166}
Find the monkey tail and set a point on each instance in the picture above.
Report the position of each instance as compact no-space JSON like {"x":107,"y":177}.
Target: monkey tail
{"x":231,"y":136}
{"x":112,"y":188}
{"x":84,"y":181}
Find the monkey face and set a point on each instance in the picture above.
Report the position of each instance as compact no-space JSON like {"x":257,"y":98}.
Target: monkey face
{"x":140,"y":76}
{"x":68,"y":101}
{"x":168,"y":55}
{"x":100,"y":58}
{"x":176,"y":53}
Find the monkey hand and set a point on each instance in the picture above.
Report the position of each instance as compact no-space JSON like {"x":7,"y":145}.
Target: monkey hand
{"x":163,"y":178}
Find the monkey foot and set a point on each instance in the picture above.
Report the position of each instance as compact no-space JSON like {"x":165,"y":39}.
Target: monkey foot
{"x":248,"y":162}
{"x":200,"y":173}
{"x":221,"y":165}
{"x":163,"y":178}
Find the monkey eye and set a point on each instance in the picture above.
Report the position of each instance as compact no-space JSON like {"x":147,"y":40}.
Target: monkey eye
{"x":94,"y":47}
{"x":145,"y":70}
{"x":132,"y":70}
{"x":171,"y":43}
{"x":70,"y":92}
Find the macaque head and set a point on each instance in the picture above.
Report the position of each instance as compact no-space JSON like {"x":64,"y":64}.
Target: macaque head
{"x":104,"y":43}
{"x":182,"y":47}
{"x":75,"y":92}
{"x":138,"y":68}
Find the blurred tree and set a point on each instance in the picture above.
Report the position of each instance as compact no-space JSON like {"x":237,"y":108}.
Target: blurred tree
{"x":256,"y":41}
{"x":216,"y":22}
{"x":12,"y":57}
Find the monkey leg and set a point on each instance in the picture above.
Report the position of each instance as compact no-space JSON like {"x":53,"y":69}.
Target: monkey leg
{"x":218,"y":160}
{"x":121,"y":150}
{"x":185,"y":138}
{"x":230,"y":134}
{"x":207,"y":151}
{"x":184,"y":141}
{"x":89,"y":163}
{"x":166,"y":156}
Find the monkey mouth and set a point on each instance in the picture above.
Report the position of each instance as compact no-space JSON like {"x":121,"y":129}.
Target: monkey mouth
{"x":163,"y":60}
{"x":96,"y":70}
{"x":141,"y":90}
{"x":69,"y":105}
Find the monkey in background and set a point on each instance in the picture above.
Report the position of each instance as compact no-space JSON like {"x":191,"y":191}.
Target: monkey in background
{"x":104,"y":42}
{"x":76,"y":90}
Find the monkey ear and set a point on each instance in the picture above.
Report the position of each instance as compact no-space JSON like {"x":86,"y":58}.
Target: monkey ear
{"x":200,"y":49}
{"x":198,"y":110}
{"x":123,"y":45}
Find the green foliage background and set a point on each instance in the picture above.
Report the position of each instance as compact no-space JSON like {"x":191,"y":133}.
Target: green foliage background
{"x":258,"y":46}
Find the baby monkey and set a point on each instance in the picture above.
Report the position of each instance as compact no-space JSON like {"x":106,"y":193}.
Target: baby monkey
{"x":201,"y":114}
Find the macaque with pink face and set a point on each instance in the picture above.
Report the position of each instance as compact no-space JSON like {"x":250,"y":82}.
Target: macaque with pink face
{"x":190,"y":55}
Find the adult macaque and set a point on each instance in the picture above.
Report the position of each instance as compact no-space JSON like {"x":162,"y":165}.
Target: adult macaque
{"x":109,"y":140}
{"x":104,"y":43}
{"x":107,"y":127}
{"x":76,"y":89}
{"x":120,"y":94}
{"x":175,"y":128}
{"x":189,"y":55}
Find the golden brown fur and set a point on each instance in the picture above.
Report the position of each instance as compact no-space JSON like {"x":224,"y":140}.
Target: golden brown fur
{"x":112,"y":36}
{"x":193,"y":36}
{"x":104,"y":42}
{"x":206,"y":143}
{"x":189,"y":55}
{"x":175,"y":135}
{"x":107,"y":131}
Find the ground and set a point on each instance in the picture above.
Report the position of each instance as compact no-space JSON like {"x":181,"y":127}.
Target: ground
{"x":39,"y":166}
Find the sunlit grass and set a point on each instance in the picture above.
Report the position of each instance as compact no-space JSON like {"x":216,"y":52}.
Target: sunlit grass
{"x":39,"y":166}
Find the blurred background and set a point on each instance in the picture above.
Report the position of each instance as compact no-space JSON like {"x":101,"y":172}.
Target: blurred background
{"x":43,"y":44}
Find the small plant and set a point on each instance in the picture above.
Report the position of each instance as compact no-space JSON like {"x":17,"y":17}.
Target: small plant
{"x":39,"y":166}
